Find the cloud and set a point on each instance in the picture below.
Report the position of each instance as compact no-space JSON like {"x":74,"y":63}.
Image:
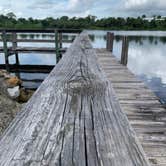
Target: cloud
{"x":152,"y":64}
{"x":81,"y":8}
{"x":146,"y":6}
{"x":42,"y":4}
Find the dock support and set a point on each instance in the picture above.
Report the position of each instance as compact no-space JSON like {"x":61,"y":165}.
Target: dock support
{"x":57,"y":45}
{"x":60,"y":44}
{"x":60,"y":40}
{"x":110,"y":41}
{"x":4,"y":39}
{"x":124,"y":54}
{"x":14,"y":44}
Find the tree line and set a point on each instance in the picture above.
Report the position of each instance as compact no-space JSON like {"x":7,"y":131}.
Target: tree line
{"x":90,"y":22}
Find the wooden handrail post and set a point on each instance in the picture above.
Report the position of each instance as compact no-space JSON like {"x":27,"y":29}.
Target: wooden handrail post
{"x":57,"y":45}
{"x":110,"y":41}
{"x":124,"y":54}
{"x":60,"y":44}
{"x":14,"y":44}
{"x":60,"y":40}
{"x":5,"y":48}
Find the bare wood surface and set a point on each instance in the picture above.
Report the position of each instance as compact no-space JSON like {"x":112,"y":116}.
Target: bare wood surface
{"x":110,"y":41}
{"x":142,"y":107}
{"x":124,"y":54}
{"x":74,"y":118}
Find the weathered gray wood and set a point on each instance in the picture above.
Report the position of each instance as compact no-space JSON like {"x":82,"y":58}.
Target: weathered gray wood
{"x":110,"y":41}
{"x":14,"y":43}
{"x":124,"y":54}
{"x":146,"y":115}
{"x":74,"y":118}
{"x":5,"y":48}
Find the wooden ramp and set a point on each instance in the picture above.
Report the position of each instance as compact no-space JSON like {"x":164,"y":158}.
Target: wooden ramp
{"x":73,"y":119}
{"x":142,"y":107}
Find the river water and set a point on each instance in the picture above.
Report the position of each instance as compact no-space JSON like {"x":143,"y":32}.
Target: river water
{"x":146,"y":59}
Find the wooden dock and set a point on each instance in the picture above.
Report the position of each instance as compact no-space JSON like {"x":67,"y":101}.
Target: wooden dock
{"x":73,"y":119}
{"x":143,"y":109}
{"x":78,"y":116}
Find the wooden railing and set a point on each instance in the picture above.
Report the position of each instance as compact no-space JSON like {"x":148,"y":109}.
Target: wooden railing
{"x":11,"y":36}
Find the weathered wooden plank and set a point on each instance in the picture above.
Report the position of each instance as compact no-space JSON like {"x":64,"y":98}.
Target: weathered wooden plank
{"x":74,"y":118}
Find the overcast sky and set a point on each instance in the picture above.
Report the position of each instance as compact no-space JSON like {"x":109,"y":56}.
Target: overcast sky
{"x":81,"y":8}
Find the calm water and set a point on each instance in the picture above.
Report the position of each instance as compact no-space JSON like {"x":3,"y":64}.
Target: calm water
{"x":147,"y":56}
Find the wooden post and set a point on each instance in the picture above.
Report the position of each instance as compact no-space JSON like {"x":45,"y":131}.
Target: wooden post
{"x":60,"y":40}
{"x":57,"y":45}
{"x":14,"y":44}
{"x":124,"y":54}
{"x":60,"y":45}
{"x":110,"y":41}
{"x":5,"y":48}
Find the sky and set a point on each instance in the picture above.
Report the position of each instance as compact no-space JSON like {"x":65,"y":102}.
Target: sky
{"x":82,"y":8}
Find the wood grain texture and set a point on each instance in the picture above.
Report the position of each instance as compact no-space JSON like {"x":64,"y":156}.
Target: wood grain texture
{"x":73,"y":119}
{"x":142,"y":107}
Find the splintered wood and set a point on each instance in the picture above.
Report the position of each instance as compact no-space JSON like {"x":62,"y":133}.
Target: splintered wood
{"x":73,"y":119}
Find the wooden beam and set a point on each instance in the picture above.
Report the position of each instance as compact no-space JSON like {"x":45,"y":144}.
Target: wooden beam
{"x":28,"y":68}
{"x":38,"y":41}
{"x":74,"y":118}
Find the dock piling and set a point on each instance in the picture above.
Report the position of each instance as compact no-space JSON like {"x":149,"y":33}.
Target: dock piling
{"x":110,"y":41}
{"x":124,"y":54}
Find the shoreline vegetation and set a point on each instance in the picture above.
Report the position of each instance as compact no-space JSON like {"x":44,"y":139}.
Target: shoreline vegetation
{"x":10,"y":21}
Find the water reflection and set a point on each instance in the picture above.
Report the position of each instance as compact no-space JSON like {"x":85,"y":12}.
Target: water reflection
{"x":147,"y":58}
{"x":148,"y":62}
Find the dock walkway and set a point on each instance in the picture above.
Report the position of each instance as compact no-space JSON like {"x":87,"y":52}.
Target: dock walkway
{"x":143,"y":109}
